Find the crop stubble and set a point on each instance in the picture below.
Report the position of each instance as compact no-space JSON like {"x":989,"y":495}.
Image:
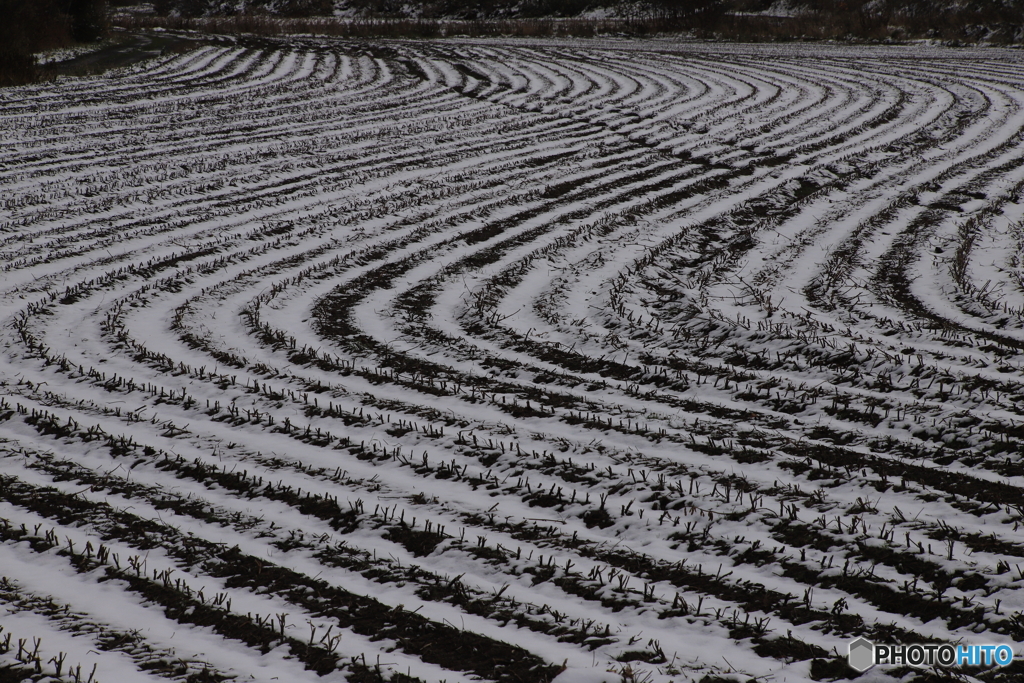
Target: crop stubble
{"x":434,"y":361}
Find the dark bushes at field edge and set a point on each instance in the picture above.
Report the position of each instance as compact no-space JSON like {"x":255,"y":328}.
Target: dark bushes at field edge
{"x":744,"y":20}
{"x":31,"y":26}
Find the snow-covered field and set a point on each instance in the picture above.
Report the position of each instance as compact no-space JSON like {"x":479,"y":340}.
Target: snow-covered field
{"x":592,"y":361}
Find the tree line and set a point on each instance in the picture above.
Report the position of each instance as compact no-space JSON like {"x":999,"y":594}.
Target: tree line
{"x":994,"y":21}
{"x":31,"y":26}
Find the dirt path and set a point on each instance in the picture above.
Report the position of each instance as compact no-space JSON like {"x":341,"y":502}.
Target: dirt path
{"x":129,"y":49}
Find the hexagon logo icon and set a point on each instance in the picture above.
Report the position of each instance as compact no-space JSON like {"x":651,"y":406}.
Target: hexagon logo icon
{"x":862,"y":654}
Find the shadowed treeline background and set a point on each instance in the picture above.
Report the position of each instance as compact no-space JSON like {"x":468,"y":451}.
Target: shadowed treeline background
{"x":999,"y":21}
{"x":31,"y":26}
